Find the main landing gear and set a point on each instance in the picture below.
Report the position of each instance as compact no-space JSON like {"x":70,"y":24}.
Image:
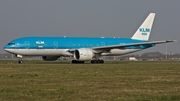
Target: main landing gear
{"x":97,"y":61}
{"x":92,"y":62}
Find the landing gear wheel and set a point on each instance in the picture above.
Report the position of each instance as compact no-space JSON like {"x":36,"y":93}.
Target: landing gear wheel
{"x":97,"y":61}
{"x":102,"y":61}
{"x":20,"y":61}
{"x":92,"y":61}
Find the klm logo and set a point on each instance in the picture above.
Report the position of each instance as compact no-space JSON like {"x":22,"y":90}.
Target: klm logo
{"x":144,"y":30}
{"x":39,"y":42}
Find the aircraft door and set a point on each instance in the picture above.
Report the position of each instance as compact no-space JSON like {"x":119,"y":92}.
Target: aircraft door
{"x":55,"y":45}
{"x":27,"y":44}
{"x":103,"y":44}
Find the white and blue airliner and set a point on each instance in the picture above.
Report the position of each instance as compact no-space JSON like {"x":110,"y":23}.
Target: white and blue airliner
{"x":81,"y":48}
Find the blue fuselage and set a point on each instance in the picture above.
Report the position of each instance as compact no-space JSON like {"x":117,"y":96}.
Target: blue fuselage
{"x":66,"y":42}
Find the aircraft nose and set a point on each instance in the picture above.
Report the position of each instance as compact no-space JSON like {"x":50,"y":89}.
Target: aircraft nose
{"x":9,"y":48}
{"x":6,"y":48}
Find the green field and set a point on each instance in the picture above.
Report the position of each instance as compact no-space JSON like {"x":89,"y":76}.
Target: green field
{"x":113,"y":81}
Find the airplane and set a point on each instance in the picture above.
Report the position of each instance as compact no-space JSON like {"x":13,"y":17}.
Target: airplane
{"x":83,"y":48}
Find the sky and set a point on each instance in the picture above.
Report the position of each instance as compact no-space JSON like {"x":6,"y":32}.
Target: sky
{"x":90,"y":18}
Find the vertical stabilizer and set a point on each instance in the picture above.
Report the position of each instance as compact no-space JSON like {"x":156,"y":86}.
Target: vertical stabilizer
{"x":144,"y":30}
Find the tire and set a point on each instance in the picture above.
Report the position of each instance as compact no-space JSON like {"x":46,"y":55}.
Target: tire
{"x":20,"y":61}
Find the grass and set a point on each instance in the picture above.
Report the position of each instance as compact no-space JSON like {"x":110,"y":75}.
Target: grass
{"x":113,"y":81}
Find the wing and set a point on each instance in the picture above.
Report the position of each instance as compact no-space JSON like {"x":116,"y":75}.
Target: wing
{"x":107,"y":48}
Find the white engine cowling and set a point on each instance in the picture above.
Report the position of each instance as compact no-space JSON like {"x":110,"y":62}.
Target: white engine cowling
{"x":83,"y":54}
{"x":50,"y":58}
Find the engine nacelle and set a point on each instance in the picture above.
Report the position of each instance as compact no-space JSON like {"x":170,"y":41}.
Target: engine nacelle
{"x":50,"y":58}
{"x":83,"y":54}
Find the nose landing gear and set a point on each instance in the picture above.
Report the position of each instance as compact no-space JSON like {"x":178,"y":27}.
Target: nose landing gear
{"x":20,"y":61}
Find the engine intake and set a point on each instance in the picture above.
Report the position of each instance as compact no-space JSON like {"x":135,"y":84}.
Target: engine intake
{"x":83,"y":54}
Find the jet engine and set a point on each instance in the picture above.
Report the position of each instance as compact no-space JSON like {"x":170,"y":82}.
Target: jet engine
{"x":83,"y":54}
{"x":50,"y":58}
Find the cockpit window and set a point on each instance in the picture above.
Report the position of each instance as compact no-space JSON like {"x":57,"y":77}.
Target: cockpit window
{"x":11,"y":43}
